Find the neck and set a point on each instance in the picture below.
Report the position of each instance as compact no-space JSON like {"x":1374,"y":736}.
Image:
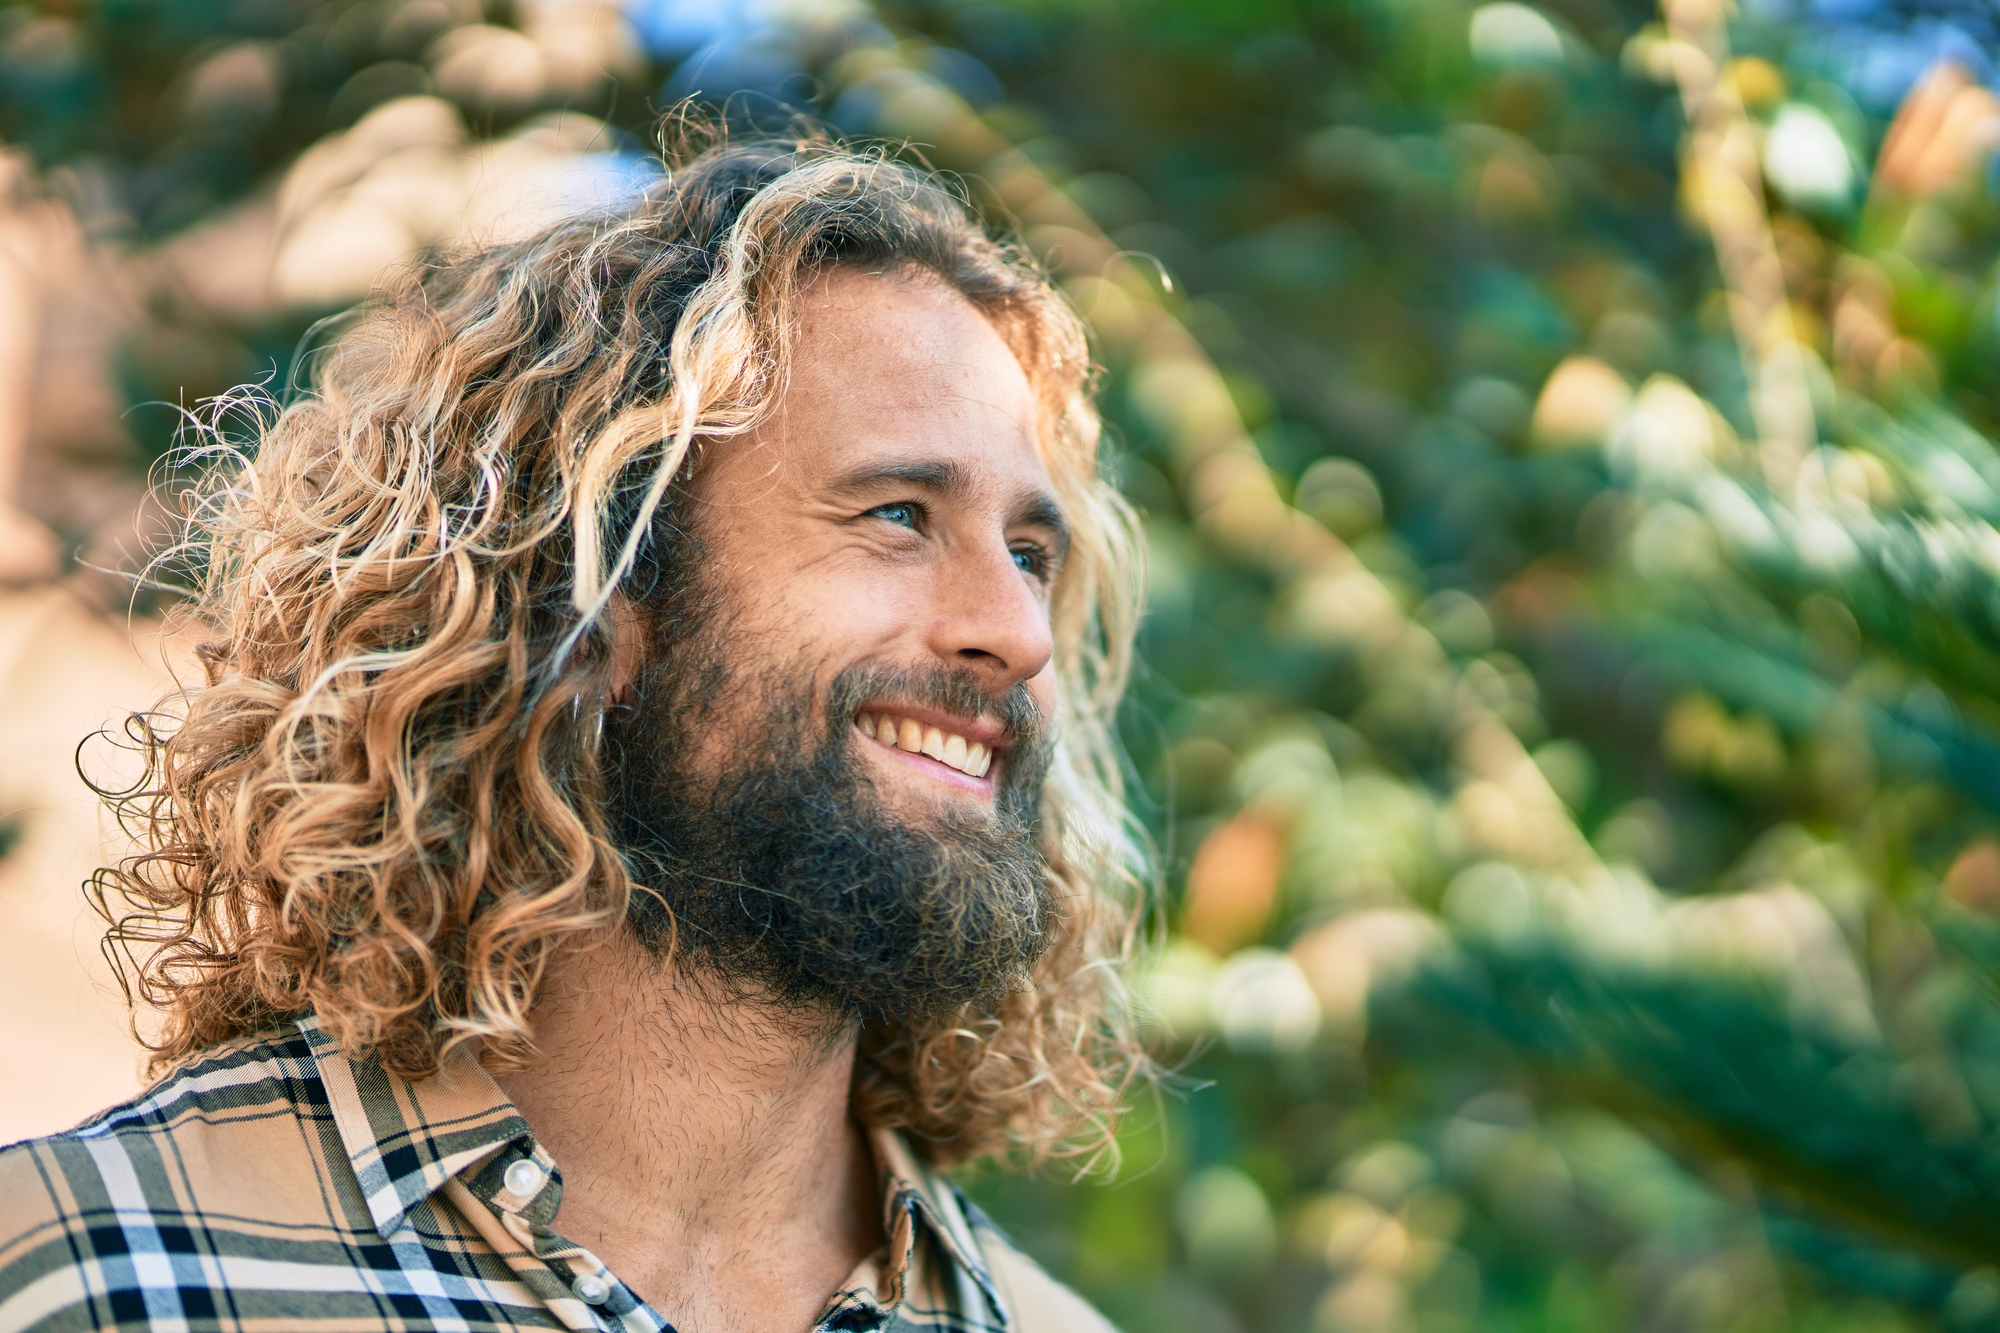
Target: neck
{"x":700,"y":1137}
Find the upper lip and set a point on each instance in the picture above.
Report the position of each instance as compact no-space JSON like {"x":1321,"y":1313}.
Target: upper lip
{"x":985,"y":729}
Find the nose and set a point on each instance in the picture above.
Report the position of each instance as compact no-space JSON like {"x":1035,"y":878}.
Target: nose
{"x":991,"y":617}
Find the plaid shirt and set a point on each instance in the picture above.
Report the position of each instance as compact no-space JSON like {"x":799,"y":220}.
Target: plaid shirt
{"x":274,"y":1185}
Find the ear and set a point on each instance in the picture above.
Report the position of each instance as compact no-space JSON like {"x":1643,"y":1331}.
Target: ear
{"x":628,"y":644}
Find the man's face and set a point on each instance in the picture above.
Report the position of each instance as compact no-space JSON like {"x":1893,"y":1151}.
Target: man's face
{"x":894,"y":512}
{"x":833,"y":767}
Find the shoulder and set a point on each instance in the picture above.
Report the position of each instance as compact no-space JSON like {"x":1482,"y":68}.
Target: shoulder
{"x":1037,"y":1302}
{"x":240,"y":1082}
{"x":215,"y":1100}
{"x":204,"y":1135}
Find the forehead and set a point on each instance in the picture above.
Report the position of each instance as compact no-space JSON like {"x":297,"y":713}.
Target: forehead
{"x":887,"y":364}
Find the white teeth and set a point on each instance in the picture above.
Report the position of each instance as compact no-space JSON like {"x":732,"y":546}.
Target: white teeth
{"x":970,"y":757}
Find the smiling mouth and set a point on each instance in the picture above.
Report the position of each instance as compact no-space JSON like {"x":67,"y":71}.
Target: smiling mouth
{"x":953,"y":751}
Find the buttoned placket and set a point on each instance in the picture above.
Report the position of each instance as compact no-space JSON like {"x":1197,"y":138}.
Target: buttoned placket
{"x":574,"y":1283}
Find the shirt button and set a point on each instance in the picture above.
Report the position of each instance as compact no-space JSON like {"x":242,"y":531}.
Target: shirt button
{"x":591,"y":1289}
{"x":523,"y":1178}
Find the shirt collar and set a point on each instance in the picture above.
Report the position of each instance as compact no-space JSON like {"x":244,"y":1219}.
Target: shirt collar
{"x":914,"y":1192}
{"x":405,"y":1139}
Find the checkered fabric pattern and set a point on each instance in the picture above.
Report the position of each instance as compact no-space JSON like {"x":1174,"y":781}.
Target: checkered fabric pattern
{"x":273,"y":1184}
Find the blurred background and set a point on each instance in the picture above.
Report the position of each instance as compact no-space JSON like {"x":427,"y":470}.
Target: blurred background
{"x":1566,"y":438}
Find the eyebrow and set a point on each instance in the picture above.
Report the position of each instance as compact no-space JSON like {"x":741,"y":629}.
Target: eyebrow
{"x":947,"y":478}
{"x":940,"y":477}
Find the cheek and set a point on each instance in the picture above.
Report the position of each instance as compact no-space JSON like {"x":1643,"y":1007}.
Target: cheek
{"x":846,"y":600}
{"x":825,"y":617}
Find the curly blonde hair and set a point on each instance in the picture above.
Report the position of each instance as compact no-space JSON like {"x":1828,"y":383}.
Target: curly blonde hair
{"x":384,"y":804}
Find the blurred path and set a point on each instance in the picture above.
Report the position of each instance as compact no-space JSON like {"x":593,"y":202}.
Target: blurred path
{"x":65,"y":670}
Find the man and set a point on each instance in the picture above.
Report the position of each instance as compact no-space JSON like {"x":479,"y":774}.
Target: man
{"x":652,"y":800}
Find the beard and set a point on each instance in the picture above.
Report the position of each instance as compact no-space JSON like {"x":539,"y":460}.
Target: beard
{"x":787,"y":878}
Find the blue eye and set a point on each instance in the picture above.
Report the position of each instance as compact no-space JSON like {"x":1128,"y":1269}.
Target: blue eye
{"x":1032,"y":561}
{"x":902,"y":515}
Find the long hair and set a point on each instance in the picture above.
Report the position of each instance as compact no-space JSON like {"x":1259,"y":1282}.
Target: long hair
{"x":384,"y":801}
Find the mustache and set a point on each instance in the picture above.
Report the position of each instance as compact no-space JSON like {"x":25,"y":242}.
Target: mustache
{"x":958,"y":692}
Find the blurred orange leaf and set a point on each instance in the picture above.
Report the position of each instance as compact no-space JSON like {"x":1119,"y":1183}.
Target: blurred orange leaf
{"x":1946,"y":128}
{"x":1974,"y":878}
{"x":1233,"y":884}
